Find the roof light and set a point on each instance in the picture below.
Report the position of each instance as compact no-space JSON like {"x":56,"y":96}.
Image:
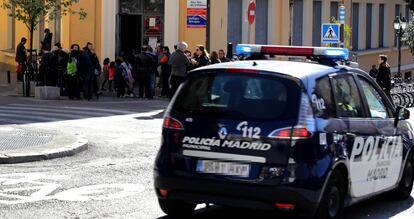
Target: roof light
{"x":321,"y":52}
{"x":242,"y":70}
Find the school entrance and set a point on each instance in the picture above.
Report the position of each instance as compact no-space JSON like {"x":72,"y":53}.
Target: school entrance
{"x":139,"y":22}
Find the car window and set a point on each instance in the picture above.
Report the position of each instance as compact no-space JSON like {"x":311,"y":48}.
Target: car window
{"x":375,"y":102}
{"x":322,"y":98}
{"x":347,"y":97}
{"x":239,"y":96}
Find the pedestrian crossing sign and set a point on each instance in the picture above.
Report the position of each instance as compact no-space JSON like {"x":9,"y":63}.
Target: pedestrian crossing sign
{"x":331,"y":33}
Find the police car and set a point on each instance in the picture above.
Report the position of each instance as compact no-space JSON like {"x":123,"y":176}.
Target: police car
{"x":306,"y":137}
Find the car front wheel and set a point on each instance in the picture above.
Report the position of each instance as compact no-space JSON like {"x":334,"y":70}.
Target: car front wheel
{"x":406,"y":184}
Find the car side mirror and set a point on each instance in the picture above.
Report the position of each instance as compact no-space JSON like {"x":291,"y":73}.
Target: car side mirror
{"x":401,"y":113}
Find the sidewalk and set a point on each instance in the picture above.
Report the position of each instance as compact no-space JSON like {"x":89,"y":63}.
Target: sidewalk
{"x":20,"y":144}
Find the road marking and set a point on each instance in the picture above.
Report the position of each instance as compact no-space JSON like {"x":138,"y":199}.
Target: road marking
{"x":20,"y":188}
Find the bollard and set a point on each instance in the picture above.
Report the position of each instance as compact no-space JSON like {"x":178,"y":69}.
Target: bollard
{"x":8,"y":77}
{"x":230,"y":51}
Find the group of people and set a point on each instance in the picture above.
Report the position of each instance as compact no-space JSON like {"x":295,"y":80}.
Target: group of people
{"x":80,"y":71}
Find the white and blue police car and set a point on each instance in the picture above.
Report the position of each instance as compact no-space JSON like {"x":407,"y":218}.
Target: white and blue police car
{"x":308,"y":137}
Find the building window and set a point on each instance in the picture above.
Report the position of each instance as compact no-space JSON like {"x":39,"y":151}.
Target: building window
{"x":154,"y":5}
{"x":234,"y":16}
{"x":317,"y":23}
{"x":334,"y":10}
{"x":355,"y":26}
{"x":381,"y":25}
{"x":10,"y":33}
{"x":368,"y":26}
{"x":297,"y":30}
{"x":262,"y":7}
{"x":397,"y":13}
{"x":130,"y":7}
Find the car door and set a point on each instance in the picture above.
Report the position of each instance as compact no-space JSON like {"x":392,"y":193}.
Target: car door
{"x":358,"y":135}
{"x":383,"y":161}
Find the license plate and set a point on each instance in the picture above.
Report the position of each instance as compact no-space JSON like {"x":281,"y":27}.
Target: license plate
{"x":223,"y":168}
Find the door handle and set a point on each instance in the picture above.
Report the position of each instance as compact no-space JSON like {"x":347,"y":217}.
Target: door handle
{"x":351,"y":134}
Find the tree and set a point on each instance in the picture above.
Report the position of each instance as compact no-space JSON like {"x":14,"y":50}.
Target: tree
{"x":31,"y":12}
{"x":409,"y":34}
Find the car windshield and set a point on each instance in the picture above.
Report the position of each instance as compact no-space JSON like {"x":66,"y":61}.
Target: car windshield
{"x":239,"y":96}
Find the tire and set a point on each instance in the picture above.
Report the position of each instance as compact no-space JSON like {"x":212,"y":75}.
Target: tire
{"x":176,"y":209}
{"x":406,"y":184}
{"x":332,"y":202}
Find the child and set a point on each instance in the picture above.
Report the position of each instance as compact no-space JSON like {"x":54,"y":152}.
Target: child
{"x":119,"y":78}
{"x":105,"y":74}
{"x":111,"y":74}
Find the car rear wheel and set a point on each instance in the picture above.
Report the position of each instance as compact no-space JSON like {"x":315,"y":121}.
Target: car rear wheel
{"x":406,"y":184}
{"x":332,"y":203}
{"x":176,"y":208}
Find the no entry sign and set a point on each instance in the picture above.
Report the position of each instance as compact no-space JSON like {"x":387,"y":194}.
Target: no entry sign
{"x":251,"y":12}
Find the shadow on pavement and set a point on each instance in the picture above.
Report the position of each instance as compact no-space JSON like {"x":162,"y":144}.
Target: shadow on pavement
{"x":218,"y":212}
{"x":382,"y":207}
{"x":157,"y":116}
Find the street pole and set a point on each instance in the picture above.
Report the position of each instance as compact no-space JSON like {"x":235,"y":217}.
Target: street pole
{"x":290,"y":21}
{"x":208,"y":30}
{"x":400,"y":34}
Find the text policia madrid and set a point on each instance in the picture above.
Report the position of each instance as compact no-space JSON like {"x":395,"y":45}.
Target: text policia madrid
{"x":380,"y":155}
{"x":207,"y":143}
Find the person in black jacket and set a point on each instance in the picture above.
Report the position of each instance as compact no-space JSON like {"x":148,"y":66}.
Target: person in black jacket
{"x":86,"y":73}
{"x":97,"y":69}
{"x":47,"y":40}
{"x":145,"y":67}
{"x":373,"y":72}
{"x":21,"y":59}
{"x":203,"y":57}
{"x":384,"y":74}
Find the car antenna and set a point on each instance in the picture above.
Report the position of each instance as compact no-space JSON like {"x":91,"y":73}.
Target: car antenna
{"x":254,"y":64}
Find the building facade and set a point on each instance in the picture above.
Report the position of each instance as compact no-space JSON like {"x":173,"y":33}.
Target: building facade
{"x":122,"y":26}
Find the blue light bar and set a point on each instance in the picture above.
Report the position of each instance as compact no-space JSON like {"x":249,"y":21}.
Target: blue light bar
{"x":247,"y":49}
{"x":320,"y":52}
{"x":331,"y":53}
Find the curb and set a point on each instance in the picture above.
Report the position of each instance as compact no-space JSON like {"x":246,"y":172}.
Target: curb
{"x":80,"y":145}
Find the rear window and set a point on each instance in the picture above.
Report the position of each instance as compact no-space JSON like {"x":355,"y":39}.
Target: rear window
{"x":239,"y":96}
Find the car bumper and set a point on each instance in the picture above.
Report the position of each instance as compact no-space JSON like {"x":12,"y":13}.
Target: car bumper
{"x":237,"y":194}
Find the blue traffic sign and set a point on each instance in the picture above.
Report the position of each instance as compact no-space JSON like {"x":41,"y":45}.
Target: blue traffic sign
{"x":330,"y":33}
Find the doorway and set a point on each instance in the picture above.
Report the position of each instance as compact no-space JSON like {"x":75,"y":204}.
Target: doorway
{"x":130,"y":34}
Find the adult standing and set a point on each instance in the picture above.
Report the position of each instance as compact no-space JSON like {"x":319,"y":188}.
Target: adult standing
{"x":384,"y":74}
{"x":62,"y":59}
{"x":145,"y":67}
{"x":165,"y":71}
{"x":203,"y":57}
{"x":373,"y":72}
{"x":48,"y":68}
{"x":21,"y":58}
{"x":179,"y":63}
{"x":96,"y":68}
{"x":214,"y":58}
{"x":222,"y":56}
{"x":47,"y":40}
{"x":86,"y":73}
{"x":72,"y":74}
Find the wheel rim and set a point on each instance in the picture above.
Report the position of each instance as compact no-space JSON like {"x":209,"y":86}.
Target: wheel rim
{"x":408,"y":175}
{"x":334,"y":202}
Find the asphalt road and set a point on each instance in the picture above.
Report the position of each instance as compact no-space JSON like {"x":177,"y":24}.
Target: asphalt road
{"x":113,"y":178}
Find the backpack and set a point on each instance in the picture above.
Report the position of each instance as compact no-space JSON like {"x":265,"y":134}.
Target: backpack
{"x":72,"y":69}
